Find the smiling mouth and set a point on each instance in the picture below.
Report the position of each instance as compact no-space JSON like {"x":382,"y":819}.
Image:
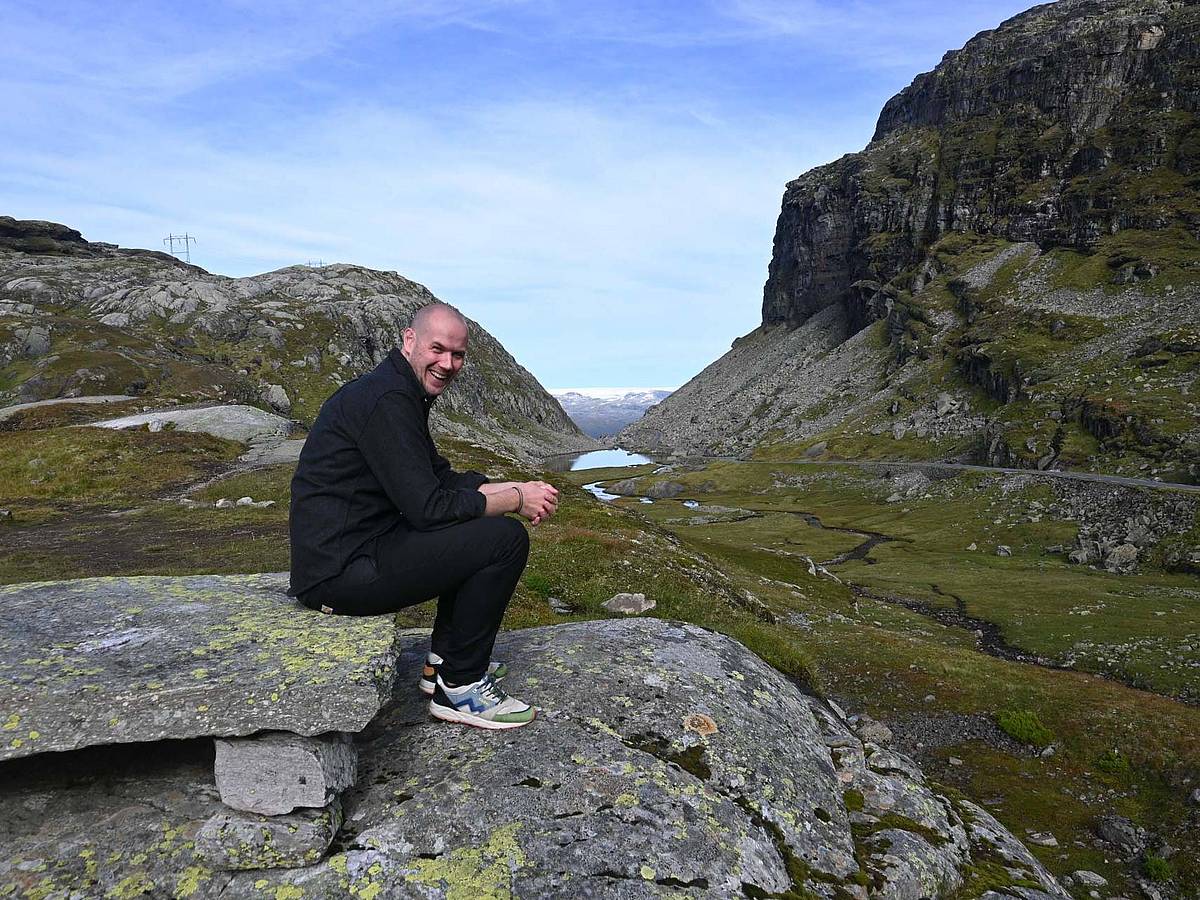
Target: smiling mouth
{"x":439,"y":377}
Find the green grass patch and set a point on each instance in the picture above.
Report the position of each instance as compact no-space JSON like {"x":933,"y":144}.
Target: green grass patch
{"x":101,"y":465}
{"x":1024,"y":725}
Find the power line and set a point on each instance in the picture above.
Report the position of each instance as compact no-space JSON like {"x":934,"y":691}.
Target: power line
{"x":185,"y":239}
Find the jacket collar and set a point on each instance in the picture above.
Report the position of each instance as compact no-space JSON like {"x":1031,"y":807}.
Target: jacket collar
{"x":402,"y":366}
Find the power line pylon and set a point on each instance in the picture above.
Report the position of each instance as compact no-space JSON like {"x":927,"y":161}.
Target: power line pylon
{"x":185,"y":239}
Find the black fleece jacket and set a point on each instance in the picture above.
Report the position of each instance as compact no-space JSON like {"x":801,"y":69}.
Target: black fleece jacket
{"x":369,"y":464}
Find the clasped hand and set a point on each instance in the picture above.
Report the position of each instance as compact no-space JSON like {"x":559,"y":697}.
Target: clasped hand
{"x":539,"y":501}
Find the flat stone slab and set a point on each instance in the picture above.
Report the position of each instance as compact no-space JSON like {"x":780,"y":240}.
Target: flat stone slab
{"x":116,"y":660}
{"x":247,"y":424}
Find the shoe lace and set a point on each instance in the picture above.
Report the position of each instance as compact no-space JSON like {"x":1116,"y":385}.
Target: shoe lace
{"x":491,"y":691}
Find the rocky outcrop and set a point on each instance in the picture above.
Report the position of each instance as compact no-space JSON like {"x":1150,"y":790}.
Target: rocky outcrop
{"x":1038,"y":130}
{"x":1025,"y":212}
{"x":93,"y":319}
{"x":667,"y":760}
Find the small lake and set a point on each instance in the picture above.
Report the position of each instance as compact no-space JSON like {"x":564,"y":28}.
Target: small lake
{"x":596,"y":459}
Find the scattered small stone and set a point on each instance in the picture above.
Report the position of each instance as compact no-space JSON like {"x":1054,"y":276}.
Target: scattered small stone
{"x":895,"y":498}
{"x":276,"y":396}
{"x":872,"y":731}
{"x":629,"y":604}
{"x":245,"y":501}
{"x":1121,"y":833}
{"x":1089,"y":879}
{"x":1043,"y":839}
{"x":5,"y":515}
{"x":1048,"y":751}
{"x":224,"y":503}
{"x":929,"y":698}
{"x":560,"y":606}
{"x":1004,"y":550}
{"x":972,"y":546}
{"x":955,"y":761}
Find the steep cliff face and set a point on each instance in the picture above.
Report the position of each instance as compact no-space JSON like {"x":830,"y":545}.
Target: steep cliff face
{"x":1067,"y":123}
{"x":81,"y":318}
{"x":1020,"y":233}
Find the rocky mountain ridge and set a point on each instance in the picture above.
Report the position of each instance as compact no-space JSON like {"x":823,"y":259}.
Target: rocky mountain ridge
{"x":1022,"y":236}
{"x":82,"y":318}
{"x":601,"y":416}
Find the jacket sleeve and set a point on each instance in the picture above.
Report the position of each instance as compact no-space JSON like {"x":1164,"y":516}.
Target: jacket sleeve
{"x":395,"y":448}
{"x":448,"y":478}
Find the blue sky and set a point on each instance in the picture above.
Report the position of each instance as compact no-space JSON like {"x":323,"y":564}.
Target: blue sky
{"x":596,"y":183}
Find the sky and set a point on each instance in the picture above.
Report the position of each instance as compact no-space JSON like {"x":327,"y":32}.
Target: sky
{"x":596,"y":183}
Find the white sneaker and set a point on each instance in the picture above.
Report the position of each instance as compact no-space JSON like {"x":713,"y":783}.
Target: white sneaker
{"x":482,"y":704}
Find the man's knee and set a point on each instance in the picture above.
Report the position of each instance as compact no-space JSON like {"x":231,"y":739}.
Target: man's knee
{"x":510,"y":537}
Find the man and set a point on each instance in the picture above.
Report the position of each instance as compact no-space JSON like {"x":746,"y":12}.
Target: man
{"x":380,"y":521}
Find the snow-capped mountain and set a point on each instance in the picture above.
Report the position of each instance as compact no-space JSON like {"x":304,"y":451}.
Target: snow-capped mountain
{"x":600,"y":412}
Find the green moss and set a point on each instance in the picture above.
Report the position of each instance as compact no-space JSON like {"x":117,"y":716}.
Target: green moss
{"x":1113,"y":762}
{"x":690,"y":759}
{"x":1157,"y":868}
{"x":854,"y":800}
{"x":863,"y":833}
{"x":1024,"y":725}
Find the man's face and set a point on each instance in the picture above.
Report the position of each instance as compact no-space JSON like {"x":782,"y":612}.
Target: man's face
{"x":436,"y":352}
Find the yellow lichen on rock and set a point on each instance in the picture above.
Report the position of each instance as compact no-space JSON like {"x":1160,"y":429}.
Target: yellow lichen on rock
{"x":475,"y":873}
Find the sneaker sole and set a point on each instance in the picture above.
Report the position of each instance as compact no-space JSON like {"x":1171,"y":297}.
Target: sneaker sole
{"x":453,"y":715}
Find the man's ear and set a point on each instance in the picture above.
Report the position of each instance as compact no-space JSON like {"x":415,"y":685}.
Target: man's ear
{"x":408,"y":338}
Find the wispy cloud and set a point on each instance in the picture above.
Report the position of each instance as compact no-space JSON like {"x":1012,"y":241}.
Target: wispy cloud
{"x":606,"y":209}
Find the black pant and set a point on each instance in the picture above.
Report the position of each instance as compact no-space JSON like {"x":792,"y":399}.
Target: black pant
{"x":472,"y":568}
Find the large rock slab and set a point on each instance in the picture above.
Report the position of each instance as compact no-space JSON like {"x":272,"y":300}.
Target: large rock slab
{"x":247,"y":424}
{"x":115,"y":660}
{"x":668,"y":762}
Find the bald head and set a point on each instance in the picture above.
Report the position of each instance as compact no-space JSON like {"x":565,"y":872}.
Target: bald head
{"x":423,"y":317}
{"x":435,"y":345}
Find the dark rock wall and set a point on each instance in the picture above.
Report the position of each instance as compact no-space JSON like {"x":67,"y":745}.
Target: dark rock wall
{"x":1066,"y":123}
